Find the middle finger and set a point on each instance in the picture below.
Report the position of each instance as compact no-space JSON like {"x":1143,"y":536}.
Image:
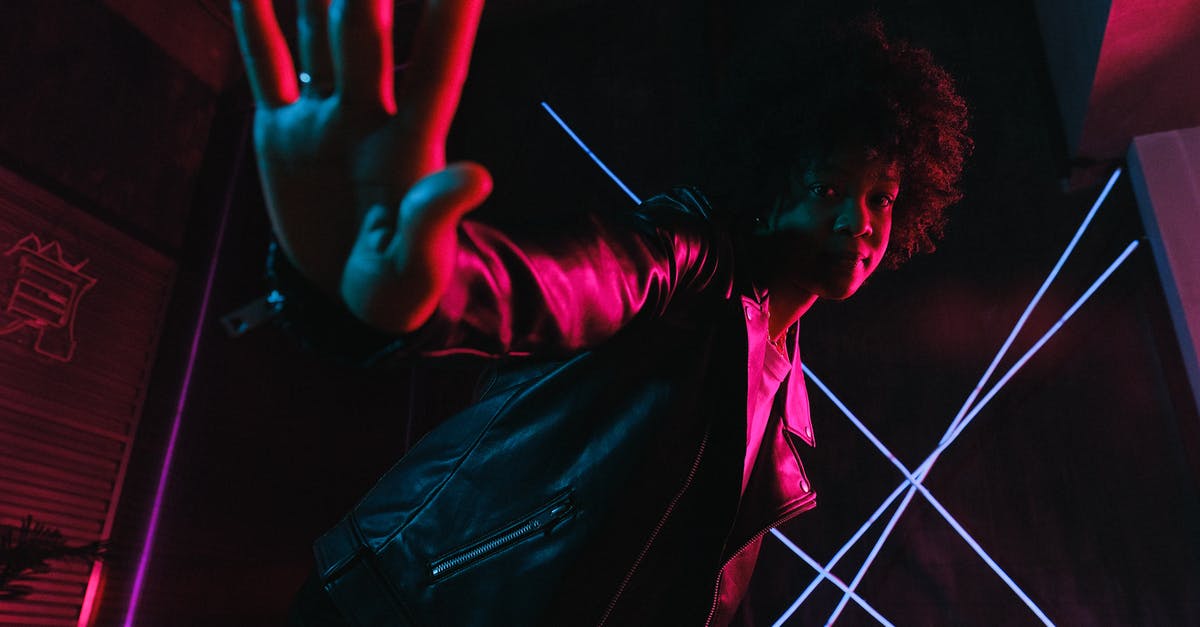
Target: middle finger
{"x":315,"y":59}
{"x":361,"y":32}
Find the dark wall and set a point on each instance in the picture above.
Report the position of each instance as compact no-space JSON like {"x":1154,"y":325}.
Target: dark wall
{"x":94,"y":110}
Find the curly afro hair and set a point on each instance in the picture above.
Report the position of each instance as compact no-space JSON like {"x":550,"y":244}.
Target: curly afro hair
{"x":794,"y":98}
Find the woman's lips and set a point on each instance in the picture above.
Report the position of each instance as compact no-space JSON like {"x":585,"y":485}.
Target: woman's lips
{"x":849,"y":259}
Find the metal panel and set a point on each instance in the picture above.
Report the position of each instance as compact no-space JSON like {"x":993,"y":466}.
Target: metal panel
{"x":1166,"y":177}
{"x":80,"y":309}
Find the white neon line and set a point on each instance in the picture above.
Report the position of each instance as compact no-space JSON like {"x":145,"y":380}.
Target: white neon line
{"x":1012,"y":336}
{"x":1087,"y":294}
{"x":924,"y":467}
{"x":962,"y":532}
{"x":858,"y":423}
{"x":958,"y":422}
{"x":915,"y":482}
{"x":862,"y":570}
{"x":1112,"y":267}
{"x":928,"y":463}
{"x":846,"y":547}
{"x":828,"y":575}
{"x":1012,"y":584}
{"x":591,"y":154}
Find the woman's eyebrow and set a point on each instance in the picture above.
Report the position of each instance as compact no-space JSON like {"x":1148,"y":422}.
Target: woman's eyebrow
{"x":827,"y":169}
{"x":836,"y":170}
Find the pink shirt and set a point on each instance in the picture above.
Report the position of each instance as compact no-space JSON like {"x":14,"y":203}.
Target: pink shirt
{"x":776,"y":366}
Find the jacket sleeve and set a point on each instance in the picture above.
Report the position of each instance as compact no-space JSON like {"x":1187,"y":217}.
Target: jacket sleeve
{"x":533,"y":292}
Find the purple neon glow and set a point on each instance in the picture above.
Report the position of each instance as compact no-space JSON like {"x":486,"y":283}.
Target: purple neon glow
{"x":591,"y":154}
{"x":160,"y":491}
{"x":827,"y":575}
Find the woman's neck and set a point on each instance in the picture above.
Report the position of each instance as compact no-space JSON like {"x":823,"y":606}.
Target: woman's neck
{"x":785,"y":309}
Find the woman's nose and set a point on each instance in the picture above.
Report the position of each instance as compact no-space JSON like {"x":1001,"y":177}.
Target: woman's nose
{"x":853,"y":218}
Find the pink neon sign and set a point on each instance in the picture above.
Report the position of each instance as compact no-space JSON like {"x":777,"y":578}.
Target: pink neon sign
{"x":45,"y":296}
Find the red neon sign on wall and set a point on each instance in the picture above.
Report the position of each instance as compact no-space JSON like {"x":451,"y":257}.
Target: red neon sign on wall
{"x":45,"y":296}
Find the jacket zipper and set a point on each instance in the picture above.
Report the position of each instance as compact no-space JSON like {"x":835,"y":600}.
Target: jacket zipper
{"x":662,"y":521}
{"x":542,"y":521}
{"x":712,"y":611}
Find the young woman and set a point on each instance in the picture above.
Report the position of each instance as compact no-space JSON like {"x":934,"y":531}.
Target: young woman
{"x":646,"y":429}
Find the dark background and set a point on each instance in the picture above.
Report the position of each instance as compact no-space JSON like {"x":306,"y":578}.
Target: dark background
{"x":1079,"y":478}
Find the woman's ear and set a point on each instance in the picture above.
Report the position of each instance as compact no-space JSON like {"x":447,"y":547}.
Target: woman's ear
{"x":758,"y":225}
{"x":765,"y":223}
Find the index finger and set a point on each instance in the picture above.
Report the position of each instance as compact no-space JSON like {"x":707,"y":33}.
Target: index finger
{"x":438,"y":66}
{"x":268,"y":61}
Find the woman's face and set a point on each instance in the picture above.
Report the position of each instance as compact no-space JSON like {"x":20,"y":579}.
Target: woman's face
{"x":829,"y":232}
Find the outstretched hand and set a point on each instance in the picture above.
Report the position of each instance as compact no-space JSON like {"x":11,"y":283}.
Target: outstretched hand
{"x":353,"y":166}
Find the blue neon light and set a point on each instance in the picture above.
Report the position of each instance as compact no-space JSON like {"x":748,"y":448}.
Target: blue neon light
{"x":928,"y":463}
{"x":828,"y":575}
{"x":960,"y":420}
{"x":1112,"y":267}
{"x":915,"y":482}
{"x":1062,"y":260}
{"x":591,"y":154}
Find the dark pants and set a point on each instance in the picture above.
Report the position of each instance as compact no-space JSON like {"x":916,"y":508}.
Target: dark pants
{"x":314,"y":608}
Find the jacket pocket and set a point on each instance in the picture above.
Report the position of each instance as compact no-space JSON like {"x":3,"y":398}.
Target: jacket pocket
{"x":540,"y":523}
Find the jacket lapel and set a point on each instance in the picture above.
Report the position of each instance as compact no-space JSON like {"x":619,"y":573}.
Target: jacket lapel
{"x":755,"y":314}
{"x":778,"y":486}
{"x":796,"y":414}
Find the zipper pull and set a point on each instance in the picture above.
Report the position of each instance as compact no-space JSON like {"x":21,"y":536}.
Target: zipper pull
{"x":546,"y":520}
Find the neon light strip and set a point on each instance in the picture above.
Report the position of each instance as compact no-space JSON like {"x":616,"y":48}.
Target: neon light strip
{"x":928,"y":463}
{"x":925,"y":465}
{"x":828,"y":575}
{"x":591,"y":154}
{"x":842,"y":551}
{"x":89,"y":596}
{"x":915,"y":482}
{"x":956,"y":423}
{"x":1012,"y":336}
{"x":1042,"y":340}
{"x":862,"y":571}
{"x":164,"y":472}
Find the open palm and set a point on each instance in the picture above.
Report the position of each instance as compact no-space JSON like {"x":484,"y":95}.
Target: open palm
{"x":353,"y":166}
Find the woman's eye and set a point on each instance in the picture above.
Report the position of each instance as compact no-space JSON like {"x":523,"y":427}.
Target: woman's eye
{"x":883,"y":201}
{"x":820,"y":190}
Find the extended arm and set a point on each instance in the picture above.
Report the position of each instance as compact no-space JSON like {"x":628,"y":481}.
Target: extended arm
{"x":574,"y":287}
{"x":544,"y":291}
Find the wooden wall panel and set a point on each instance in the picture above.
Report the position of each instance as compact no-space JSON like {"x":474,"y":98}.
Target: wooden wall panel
{"x":80,"y":309}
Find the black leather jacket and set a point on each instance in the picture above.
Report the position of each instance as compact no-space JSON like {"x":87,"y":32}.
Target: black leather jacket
{"x":600,"y":488}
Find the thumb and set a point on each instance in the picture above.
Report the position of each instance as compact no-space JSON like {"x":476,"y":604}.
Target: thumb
{"x":444,"y":197}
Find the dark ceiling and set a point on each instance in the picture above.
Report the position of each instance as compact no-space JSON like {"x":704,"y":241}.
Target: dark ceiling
{"x":1120,"y":68}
